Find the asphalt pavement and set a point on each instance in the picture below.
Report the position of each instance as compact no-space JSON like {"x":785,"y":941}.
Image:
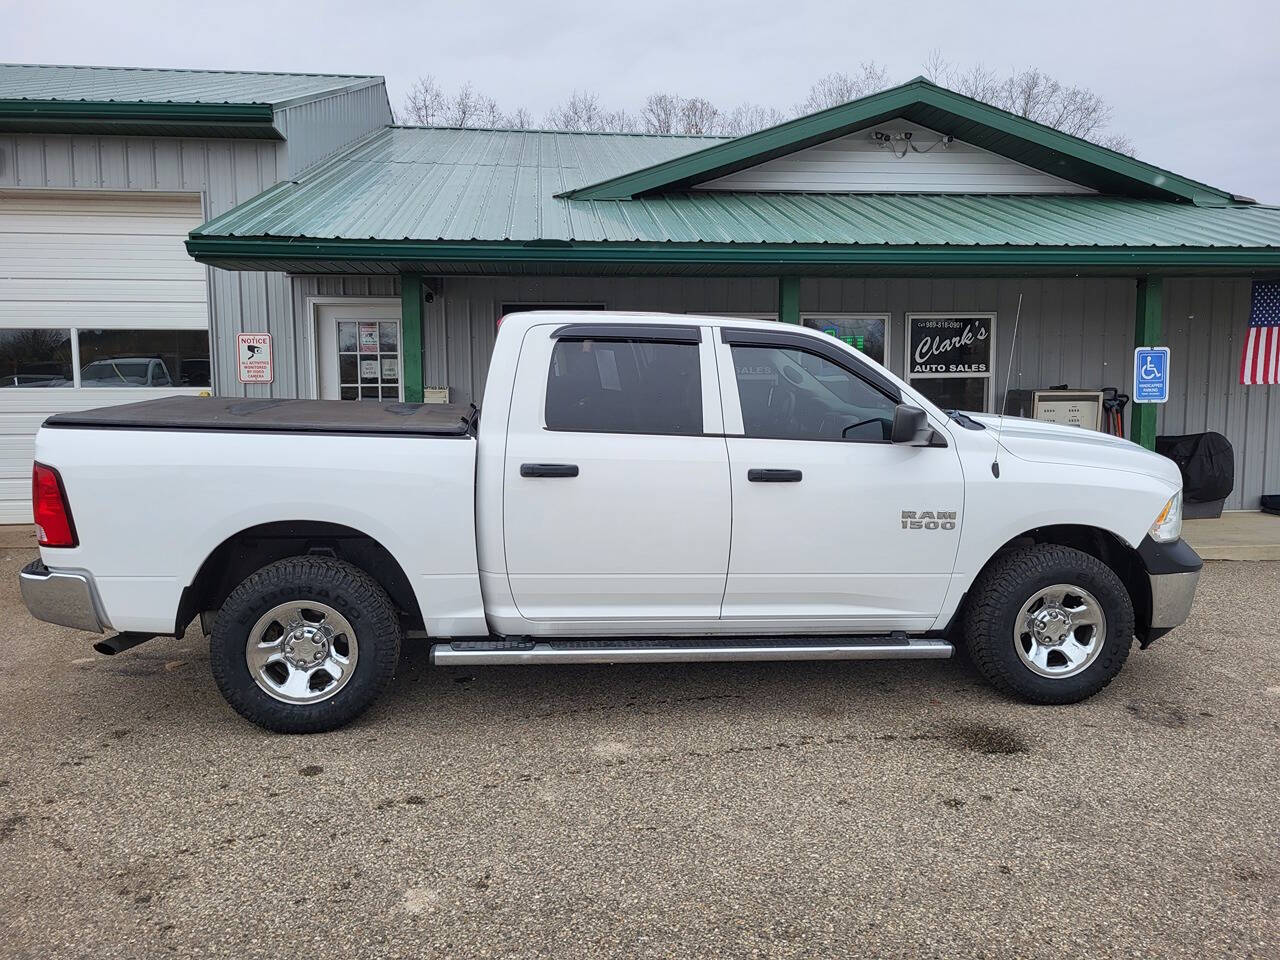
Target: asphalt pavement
{"x":707,"y":810}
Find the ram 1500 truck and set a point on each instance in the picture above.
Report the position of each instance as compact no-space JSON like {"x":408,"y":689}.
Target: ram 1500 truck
{"x":641,"y":487}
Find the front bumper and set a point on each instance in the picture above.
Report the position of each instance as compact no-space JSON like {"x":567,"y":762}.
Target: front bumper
{"x":61,"y":596}
{"x":1173,"y":570}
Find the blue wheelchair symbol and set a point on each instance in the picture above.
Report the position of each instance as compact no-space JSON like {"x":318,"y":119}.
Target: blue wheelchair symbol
{"x":1151,"y":374}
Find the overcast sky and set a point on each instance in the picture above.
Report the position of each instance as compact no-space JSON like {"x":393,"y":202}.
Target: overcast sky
{"x":1194,"y":84}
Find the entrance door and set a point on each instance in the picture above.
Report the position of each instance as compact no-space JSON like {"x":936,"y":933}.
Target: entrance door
{"x":358,"y":353}
{"x":821,"y":497}
{"x":616,"y":501}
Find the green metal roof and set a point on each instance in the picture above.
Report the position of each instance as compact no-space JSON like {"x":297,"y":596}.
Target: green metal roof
{"x":29,"y":81}
{"x":939,"y":109}
{"x":445,"y":195}
{"x":133,"y":101}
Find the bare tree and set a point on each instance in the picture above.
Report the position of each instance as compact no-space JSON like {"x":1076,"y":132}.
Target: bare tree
{"x":467,"y":108}
{"x":661,"y":113}
{"x":699,"y":116}
{"x":748,"y":118}
{"x":672,"y":113}
{"x":837,"y":88}
{"x":424,"y":104}
{"x":1033,"y":94}
{"x":518,"y":119}
{"x":1030,"y":93}
{"x":582,"y":112}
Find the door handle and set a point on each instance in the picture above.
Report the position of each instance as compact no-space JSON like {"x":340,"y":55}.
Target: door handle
{"x":548,"y":469}
{"x":760,"y":475}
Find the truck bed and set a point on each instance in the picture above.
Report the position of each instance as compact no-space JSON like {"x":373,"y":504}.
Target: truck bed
{"x":278,"y":416}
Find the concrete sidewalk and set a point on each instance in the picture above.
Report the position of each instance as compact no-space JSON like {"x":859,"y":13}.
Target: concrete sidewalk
{"x":1237,"y":535}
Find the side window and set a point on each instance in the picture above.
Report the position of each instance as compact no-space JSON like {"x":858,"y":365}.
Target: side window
{"x":792,"y":394}
{"x":627,"y":386}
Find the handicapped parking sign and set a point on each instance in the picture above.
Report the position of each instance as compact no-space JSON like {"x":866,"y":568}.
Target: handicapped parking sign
{"x":1151,"y":375}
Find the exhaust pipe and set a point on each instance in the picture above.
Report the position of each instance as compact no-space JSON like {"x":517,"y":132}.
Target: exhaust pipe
{"x":121,"y":642}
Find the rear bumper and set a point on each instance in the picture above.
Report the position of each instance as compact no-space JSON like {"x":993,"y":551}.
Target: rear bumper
{"x":1173,"y":570}
{"x":63,"y":597}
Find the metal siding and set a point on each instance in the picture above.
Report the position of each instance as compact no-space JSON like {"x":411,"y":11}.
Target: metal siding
{"x":317,"y":128}
{"x":857,"y":163}
{"x":1206,"y":322}
{"x":1078,"y":331}
{"x":227,"y":173}
{"x":301,"y":338}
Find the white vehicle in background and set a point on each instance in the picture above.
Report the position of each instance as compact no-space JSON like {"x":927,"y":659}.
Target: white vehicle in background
{"x":640,"y":488}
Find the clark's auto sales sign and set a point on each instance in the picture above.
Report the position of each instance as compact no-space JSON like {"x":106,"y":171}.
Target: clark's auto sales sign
{"x":949,"y":345}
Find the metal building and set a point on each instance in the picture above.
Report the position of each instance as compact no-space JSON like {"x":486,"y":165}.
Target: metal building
{"x":910,"y":223}
{"x":103,"y":173}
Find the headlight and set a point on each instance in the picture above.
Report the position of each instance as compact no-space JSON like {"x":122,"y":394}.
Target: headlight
{"x":1168,"y":526}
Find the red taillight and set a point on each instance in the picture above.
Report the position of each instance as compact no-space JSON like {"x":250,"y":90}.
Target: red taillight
{"x":54,"y":526}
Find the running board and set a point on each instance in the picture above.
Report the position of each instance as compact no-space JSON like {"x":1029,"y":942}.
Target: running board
{"x":499,"y":651}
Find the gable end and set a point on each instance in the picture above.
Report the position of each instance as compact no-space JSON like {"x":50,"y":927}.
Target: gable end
{"x":897,"y":156}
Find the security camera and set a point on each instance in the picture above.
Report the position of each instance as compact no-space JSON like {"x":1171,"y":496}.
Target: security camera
{"x":907,"y":135}
{"x":252,"y":349}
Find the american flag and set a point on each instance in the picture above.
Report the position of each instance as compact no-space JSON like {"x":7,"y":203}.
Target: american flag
{"x":1260,"y":360}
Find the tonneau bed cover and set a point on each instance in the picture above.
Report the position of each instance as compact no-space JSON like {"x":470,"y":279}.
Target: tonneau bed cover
{"x":278,"y":416}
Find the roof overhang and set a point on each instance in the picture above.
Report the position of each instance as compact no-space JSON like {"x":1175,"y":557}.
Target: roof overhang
{"x":373,"y":256}
{"x":253,"y":121}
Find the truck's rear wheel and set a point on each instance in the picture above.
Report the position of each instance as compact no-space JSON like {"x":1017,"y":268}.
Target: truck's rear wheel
{"x":1049,"y":624}
{"x":304,"y":645}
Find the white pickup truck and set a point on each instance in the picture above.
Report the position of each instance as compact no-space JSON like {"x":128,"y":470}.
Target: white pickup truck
{"x":641,"y":487}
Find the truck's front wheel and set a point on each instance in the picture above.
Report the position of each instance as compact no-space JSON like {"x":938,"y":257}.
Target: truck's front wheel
{"x":304,"y":645}
{"x":1049,"y":624}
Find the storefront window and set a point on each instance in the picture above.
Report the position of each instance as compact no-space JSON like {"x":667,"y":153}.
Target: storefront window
{"x":955,"y":393}
{"x":144,"y":358}
{"x":949,"y":358}
{"x":35,"y":358}
{"x":864,"y":333}
{"x":107,"y":358}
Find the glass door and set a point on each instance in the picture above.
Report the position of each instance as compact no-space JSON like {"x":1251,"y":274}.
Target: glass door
{"x":359,"y":352}
{"x":368,"y":360}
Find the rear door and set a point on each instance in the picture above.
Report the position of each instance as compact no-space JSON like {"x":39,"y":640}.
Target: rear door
{"x":822,"y":501}
{"x":616,"y":499}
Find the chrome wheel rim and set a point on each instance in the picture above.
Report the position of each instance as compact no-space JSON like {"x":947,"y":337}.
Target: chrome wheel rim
{"x":1060,"y":631}
{"x":302,"y":652}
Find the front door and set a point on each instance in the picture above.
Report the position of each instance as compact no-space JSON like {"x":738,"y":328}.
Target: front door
{"x":358,"y":354}
{"x":819,"y":493}
{"x":615,"y":499}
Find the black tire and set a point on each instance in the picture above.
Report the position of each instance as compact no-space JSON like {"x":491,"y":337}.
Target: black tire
{"x":346,"y":589}
{"x":998,"y":595}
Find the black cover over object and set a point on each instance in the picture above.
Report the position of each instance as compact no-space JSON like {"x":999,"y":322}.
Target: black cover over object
{"x":1207,"y":463}
{"x":1271,"y":503}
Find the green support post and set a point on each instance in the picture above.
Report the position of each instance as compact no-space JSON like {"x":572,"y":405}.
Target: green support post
{"x":411,"y":335}
{"x":1148,"y":331}
{"x":789,"y":299}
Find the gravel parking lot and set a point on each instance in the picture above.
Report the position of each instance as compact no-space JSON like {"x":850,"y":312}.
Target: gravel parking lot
{"x":799,"y":810}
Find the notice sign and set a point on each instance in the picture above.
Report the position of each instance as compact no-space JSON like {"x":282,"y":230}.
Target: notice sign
{"x":939,"y":345}
{"x":368,"y":338}
{"x":253,"y":351}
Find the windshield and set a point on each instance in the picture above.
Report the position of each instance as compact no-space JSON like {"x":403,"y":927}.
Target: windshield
{"x":121,"y":371}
